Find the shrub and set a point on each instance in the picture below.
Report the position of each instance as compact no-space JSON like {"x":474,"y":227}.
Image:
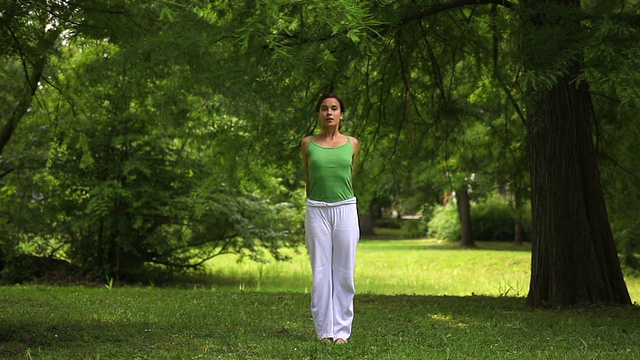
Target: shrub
{"x":492,"y":219}
{"x":388,"y":223}
{"x":413,"y":228}
{"x":444,"y":223}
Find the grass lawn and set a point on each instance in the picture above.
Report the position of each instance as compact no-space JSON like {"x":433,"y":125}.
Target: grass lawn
{"x":417,"y":299}
{"x":420,"y":267}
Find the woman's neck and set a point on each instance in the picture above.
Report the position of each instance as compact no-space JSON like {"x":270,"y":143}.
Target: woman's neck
{"x":330,"y":132}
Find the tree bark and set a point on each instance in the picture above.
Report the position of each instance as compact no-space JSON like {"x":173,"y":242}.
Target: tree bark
{"x":574,"y":257}
{"x":30,"y":87}
{"x":517,"y":233}
{"x":464,"y":214}
{"x":518,"y":236}
{"x":366,"y":225}
{"x":24,"y":103}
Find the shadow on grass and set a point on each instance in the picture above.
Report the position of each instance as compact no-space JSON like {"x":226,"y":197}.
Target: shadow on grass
{"x":221,"y":327}
{"x":255,"y":325}
{"x":88,"y":336}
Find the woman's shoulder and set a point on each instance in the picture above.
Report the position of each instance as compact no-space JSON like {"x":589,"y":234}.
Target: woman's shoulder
{"x":307,"y":139}
{"x":304,"y":144}
{"x":354,"y":142}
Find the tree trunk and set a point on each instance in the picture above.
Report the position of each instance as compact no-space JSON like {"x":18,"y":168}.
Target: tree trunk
{"x":30,"y":87}
{"x":517,"y":233}
{"x":46,"y":43}
{"x":366,"y":225}
{"x":517,"y":227}
{"x":574,"y":258}
{"x":464,"y":214}
{"x":367,"y":221}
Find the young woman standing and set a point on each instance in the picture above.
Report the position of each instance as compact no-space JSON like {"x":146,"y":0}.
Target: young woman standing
{"x":331,"y":222}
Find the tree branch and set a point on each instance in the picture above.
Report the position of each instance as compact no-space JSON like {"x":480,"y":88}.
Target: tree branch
{"x":185,"y":266}
{"x":434,"y":9}
{"x":5,"y":173}
{"x":198,"y":244}
{"x":295,"y":40}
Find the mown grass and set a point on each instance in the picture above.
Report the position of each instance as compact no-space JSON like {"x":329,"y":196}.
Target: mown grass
{"x":421,"y":267}
{"x":414,"y":302}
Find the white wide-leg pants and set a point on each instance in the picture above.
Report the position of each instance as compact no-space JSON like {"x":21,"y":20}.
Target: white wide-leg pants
{"x":332,"y":234}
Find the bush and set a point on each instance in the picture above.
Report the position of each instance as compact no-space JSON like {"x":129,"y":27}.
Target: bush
{"x":492,"y":219}
{"x":388,"y":223}
{"x":413,"y":228}
{"x":444,"y":223}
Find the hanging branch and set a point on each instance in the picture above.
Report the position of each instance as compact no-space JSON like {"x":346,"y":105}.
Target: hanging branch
{"x":431,"y":10}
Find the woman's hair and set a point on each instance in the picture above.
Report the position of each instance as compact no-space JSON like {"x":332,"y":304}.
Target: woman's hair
{"x":330,"y":96}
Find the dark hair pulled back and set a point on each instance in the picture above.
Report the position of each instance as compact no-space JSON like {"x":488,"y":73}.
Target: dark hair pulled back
{"x":330,"y":96}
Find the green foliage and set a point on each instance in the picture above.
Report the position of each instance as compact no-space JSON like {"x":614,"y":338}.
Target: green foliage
{"x":388,"y":223}
{"x":620,"y":170}
{"x":444,"y":223}
{"x":165,"y":133}
{"x":141,"y":170}
{"x":613,"y":54}
{"x":492,"y":218}
{"x":413,"y":228}
{"x":553,"y":36}
{"x":15,"y":267}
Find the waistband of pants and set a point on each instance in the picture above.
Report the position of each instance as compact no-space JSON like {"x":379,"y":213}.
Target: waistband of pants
{"x":316,"y":203}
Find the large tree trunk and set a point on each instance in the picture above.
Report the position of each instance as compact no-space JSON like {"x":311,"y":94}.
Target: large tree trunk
{"x":574,"y":257}
{"x":464,"y":214}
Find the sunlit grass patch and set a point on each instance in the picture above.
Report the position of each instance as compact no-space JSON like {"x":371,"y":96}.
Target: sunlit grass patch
{"x":394,"y":267}
{"x":400,"y":266}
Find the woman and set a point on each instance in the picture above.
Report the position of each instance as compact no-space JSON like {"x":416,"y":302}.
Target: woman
{"x":331,"y":222}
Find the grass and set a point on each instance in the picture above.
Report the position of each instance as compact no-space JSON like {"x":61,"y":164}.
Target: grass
{"x":388,"y":267}
{"x":417,"y":299}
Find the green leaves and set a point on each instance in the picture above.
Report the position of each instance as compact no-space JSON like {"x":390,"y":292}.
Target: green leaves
{"x":168,"y":132}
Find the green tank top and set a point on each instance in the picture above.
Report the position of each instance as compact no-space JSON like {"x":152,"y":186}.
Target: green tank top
{"x":330,"y":172}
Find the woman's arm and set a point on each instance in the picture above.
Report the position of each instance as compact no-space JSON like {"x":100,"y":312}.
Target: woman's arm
{"x":304,"y":145}
{"x":356,"y":149}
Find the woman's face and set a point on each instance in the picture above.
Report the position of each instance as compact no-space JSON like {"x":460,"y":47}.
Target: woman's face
{"x":330,"y":112}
